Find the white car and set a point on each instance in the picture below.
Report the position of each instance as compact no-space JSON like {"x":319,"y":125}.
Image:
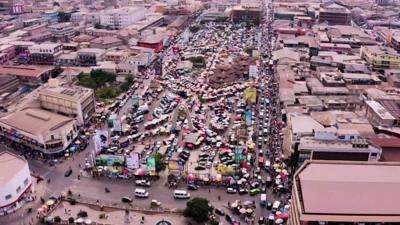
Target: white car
{"x":143,"y":183}
{"x":231,"y":190}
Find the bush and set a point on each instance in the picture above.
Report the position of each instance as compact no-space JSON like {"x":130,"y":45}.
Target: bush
{"x":82,"y":213}
{"x":57,"y":219}
{"x":71,"y":220}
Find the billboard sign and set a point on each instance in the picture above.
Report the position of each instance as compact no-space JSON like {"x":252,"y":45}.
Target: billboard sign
{"x":100,"y":140}
{"x":132,"y":161}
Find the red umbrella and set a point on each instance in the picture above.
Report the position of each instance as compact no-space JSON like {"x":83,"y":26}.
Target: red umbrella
{"x":190,"y":145}
{"x":149,"y":118}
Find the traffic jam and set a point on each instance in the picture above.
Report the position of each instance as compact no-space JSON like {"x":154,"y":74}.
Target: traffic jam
{"x":214,"y":122}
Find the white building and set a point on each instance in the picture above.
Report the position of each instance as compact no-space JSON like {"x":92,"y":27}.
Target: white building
{"x":47,"y":48}
{"x":15,"y":182}
{"x":62,"y":30}
{"x":122,"y":17}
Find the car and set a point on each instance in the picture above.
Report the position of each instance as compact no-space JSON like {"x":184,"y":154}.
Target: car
{"x":269,"y":205}
{"x":261,"y":220}
{"x":219,"y":211}
{"x":126,"y":199}
{"x":231,"y":219}
{"x":230,"y":190}
{"x":243,"y":191}
{"x":193,"y":187}
{"x":68,"y":173}
{"x":144,"y":183}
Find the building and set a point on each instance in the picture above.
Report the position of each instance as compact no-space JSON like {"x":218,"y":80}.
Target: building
{"x":8,"y":84}
{"x":7,"y":52}
{"x":155,"y":42}
{"x":122,"y":17}
{"x":378,"y":115}
{"x":105,"y":42}
{"x":15,"y":182}
{"x":44,"y":54}
{"x":50,"y":16}
{"x":381,"y":57}
{"x":62,"y":31}
{"x":333,"y":144}
{"x":30,"y":75}
{"x":45,"y":133}
{"x":339,"y":192}
{"x":67,"y":59}
{"x":73,"y":101}
{"x":334,"y":14}
{"x":90,"y":56}
{"x":246,"y":12}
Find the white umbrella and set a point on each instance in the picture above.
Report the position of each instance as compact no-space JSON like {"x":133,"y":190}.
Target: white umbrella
{"x":279,"y":221}
{"x":88,"y":221}
{"x":79,"y":220}
{"x":242,"y":210}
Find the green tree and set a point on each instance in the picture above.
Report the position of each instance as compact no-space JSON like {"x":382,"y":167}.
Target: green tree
{"x":198,"y":209}
{"x":107,"y":93}
{"x":125,"y":87}
{"x":160,"y":165}
{"x":198,"y":61}
{"x":129,"y":78}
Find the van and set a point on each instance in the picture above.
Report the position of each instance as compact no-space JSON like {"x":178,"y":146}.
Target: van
{"x":141,"y":193}
{"x":138,"y":119}
{"x":275,"y":206}
{"x":263,"y":199}
{"x":181,"y":194}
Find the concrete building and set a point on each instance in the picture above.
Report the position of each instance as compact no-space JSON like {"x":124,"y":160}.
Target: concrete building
{"x":334,"y":14}
{"x":8,"y":84}
{"x":62,"y":31}
{"x":15,"y":182}
{"x":30,"y":75}
{"x":378,"y":115}
{"x":73,"y":101}
{"x":122,"y":17}
{"x":105,"y":42}
{"x":44,"y":54}
{"x":333,"y":192}
{"x":67,"y":59}
{"x":45,"y":133}
{"x":90,"y":56}
{"x":381,"y":57}
{"x":246,"y":12}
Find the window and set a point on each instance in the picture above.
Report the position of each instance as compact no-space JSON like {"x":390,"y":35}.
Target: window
{"x":18,"y":189}
{"x":26,"y":181}
{"x":374,"y":154}
{"x":52,"y":137}
{"x":8,"y":196}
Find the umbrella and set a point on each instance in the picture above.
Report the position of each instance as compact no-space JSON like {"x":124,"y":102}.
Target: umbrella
{"x":49,"y":219}
{"x":88,"y":221}
{"x":249,"y":211}
{"x":191,"y":177}
{"x":242,"y":210}
{"x":205,"y":179}
{"x":234,"y":205}
{"x":40,"y":210}
{"x":77,"y":142}
{"x":50,"y":202}
{"x":279,"y":221}
{"x":219,"y":177}
{"x":79,"y":220}
{"x":276,"y":165}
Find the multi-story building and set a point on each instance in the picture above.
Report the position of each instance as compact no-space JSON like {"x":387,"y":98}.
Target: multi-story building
{"x":45,"y":133}
{"x":44,"y":54}
{"x":381,"y":57}
{"x":334,"y":14}
{"x":8,"y":52}
{"x":378,"y":115}
{"x":29,"y":75}
{"x":67,"y":59}
{"x":15,"y":185}
{"x":343,"y":192}
{"x":90,"y":56}
{"x":8,"y":84}
{"x":246,"y":13}
{"x":122,"y":17}
{"x":74,"y":101}
{"x":62,"y":31}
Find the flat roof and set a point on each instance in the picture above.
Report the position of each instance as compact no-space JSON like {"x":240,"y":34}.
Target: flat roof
{"x":304,"y":124}
{"x":10,"y":162}
{"x":380,"y":110}
{"x":35,"y":121}
{"x":349,"y":188}
{"x":25,"y":71}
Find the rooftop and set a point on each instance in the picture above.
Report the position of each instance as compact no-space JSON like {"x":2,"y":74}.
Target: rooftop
{"x":380,"y":110}
{"x":35,"y":121}
{"x":10,"y":162}
{"x":25,"y":71}
{"x":336,"y":188}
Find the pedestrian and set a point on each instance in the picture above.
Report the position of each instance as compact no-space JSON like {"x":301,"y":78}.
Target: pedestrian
{"x":209,"y":190}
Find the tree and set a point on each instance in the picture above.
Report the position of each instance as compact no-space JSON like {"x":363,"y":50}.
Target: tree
{"x":129,"y":78}
{"x":82,"y":213}
{"x":98,"y":26}
{"x":198,"y":61}
{"x":160,"y":165}
{"x":71,"y":220}
{"x":198,"y":209}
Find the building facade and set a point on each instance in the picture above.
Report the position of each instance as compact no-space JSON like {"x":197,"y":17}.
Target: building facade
{"x":334,"y":14}
{"x":15,"y":185}
{"x":44,"y":54}
{"x":122,"y":17}
{"x":77,"y":102}
{"x":381,"y":57}
{"x":62,"y":31}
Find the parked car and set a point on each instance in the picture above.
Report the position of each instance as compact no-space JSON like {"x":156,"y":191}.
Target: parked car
{"x":144,"y":183}
{"x":126,"y":199}
{"x":68,"y":173}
